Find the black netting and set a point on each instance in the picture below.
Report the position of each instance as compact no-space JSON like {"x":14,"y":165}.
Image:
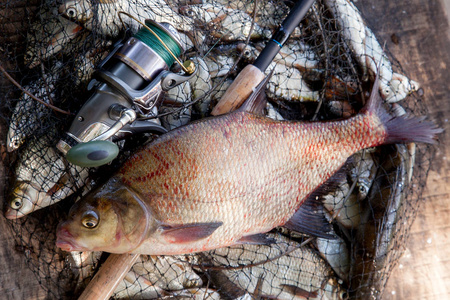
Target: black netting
{"x":324,"y":72}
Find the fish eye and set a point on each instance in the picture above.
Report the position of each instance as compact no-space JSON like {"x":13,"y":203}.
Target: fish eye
{"x":16,"y":203}
{"x":362,"y":189}
{"x":90,"y":219}
{"x":247,"y":53}
{"x":71,"y":12}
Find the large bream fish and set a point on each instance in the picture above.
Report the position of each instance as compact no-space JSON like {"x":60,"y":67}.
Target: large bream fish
{"x":227,"y":180}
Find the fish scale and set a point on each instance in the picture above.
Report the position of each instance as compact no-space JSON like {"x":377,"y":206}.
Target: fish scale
{"x":225,"y":180}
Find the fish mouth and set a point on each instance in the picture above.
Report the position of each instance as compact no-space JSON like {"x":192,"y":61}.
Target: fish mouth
{"x":65,"y":241}
{"x":12,"y":214}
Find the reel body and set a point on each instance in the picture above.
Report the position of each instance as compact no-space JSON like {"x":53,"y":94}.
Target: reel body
{"x":126,"y":87}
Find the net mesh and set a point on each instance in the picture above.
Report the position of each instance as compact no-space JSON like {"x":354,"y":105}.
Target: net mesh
{"x":325,"y":71}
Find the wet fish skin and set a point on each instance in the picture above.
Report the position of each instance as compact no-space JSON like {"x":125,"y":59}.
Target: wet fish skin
{"x":179,"y":95}
{"x":103,"y":17}
{"x":224,"y":23}
{"x":28,"y":113}
{"x":244,"y":175}
{"x":43,"y":177}
{"x":287,"y":81}
{"x":368,"y":51}
{"x":48,"y":36}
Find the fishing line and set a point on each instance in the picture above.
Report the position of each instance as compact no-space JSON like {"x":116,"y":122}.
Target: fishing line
{"x":188,"y":67}
{"x":157,"y":41}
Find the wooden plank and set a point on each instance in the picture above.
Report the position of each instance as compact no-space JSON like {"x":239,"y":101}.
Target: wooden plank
{"x":417,"y":34}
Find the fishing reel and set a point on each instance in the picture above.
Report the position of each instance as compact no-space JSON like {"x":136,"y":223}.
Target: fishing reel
{"x":126,"y":86}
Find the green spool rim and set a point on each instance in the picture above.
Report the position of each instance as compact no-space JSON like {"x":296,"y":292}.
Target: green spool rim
{"x":165,"y":44}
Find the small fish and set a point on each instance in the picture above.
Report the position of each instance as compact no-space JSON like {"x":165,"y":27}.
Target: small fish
{"x":179,"y":116}
{"x":220,"y":61}
{"x":382,"y":225}
{"x":83,"y":265}
{"x":134,"y":286}
{"x":336,"y":254}
{"x":368,"y":51}
{"x":29,"y":115}
{"x":286,"y":82}
{"x":103,"y":17}
{"x":154,"y":277}
{"x":201,"y":85}
{"x":47,"y":36}
{"x":224,"y":23}
{"x":168,"y":272}
{"x":269,"y":14}
{"x":244,"y":175}
{"x":298,"y":274}
{"x":294,"y":54}
{"x":344,"y":204}
{"x":43,"y":177}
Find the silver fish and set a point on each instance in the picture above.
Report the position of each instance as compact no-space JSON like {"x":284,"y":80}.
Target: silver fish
{"x":134,"y":286}
{"x":272,"y":113}
{"x":83,"y":264}
{"x":287,"y":81}
{"x":224,"y":23}
{"x":104,"y":18}
{"x":294,"y":54}
{"x":179,"y":95}
{"x":269,"y":14}
{"x":47,"y":36}
{"x":219,"y":65}
{"x":294,"y":275}
{"x":168,"y":272}
{"x":219,"y":88}
{"x":288,"y":84}
{"x":43,"y":177}
{"x":368,"y":51}
{"x":29,"y":114}
{"x":201,"y":85}
{"x":376,"y":239}
{"x":337,"y":255}
{"x":345,"y":204}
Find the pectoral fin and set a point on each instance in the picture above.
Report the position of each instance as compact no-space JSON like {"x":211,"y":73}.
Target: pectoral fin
{"x":257,"y":100}
{"x":256,"y":239}
{"x":186,"y":233}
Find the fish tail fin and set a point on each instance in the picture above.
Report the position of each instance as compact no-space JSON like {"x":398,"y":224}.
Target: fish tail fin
{"x":404,"y":128}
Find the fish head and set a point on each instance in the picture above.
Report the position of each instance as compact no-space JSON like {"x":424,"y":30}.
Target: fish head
{"x":112,"y":218}
{"x":14,"y":139}
{"x":249,"y":52}
{"x":25,"y":199}
{"x":78,"y":10}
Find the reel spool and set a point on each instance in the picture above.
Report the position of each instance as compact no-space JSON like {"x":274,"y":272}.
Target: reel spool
{"x":127,"y":85}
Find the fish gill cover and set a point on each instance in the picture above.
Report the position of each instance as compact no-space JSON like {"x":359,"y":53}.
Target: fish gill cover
{"x":324,"y":72}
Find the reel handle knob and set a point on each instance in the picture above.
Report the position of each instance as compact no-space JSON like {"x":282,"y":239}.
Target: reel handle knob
{"x":92,"y":153}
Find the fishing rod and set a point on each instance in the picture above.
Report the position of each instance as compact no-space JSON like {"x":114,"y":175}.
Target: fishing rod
{"x":253,"y":74}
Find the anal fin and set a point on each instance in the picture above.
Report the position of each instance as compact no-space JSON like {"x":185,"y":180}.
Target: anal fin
{"x":256,"y":239}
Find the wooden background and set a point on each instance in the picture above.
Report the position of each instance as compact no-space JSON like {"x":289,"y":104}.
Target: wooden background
{"x":417,"y":33}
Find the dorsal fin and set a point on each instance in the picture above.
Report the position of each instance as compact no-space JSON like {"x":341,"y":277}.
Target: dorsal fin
{"x":257,"y":100}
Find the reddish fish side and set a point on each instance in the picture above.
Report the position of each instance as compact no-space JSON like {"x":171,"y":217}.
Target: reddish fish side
{"x":224,"y":180}
{"x":249,"y":172}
